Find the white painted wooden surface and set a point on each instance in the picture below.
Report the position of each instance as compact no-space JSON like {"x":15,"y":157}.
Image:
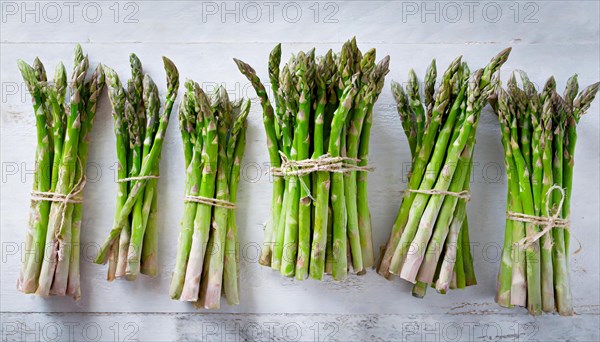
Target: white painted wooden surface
{"x":548,"y":37}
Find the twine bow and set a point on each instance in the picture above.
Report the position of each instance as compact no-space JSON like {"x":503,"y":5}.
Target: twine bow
{"x":553,"y":221}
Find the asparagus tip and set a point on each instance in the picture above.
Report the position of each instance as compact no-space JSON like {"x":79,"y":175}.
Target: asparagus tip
{"x":172,"y":74}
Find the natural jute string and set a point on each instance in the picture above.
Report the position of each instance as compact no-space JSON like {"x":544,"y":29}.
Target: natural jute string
{"x":55,"y":197}
{"x":210,"y":201}
{"x":325,"y":163}
{"x":122,"y":180}
{"x":72,"y":197}
{"x":465,"y":194}
{"x":553,"y":221}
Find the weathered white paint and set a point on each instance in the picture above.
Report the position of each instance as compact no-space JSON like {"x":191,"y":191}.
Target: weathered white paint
{"x":563,"y":41}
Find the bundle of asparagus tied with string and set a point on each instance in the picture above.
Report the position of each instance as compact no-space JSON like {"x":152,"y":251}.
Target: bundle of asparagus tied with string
{"x":135,"y":111}
{"x":214,"y":140}
{"x":318,"y":143}
{"x":539,"y":132}
{"x":131,"y":247}
{"x":51,"y":260}
{"x":429,"y":242}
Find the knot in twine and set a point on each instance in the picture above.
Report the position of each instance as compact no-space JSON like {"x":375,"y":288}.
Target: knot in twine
{"x":210,"y":201}
{"x":553,"y":221}
{"x":325,"y":163}
{"x":465,"y":194}
{"x":73,"y":197}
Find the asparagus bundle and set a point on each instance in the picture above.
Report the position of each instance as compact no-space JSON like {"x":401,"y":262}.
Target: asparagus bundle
{"x":429,"y":242}
{"x":539,"y":132}
{"x":318,"y":143}
{"x":136,"y":119}
{"x":214,"y":140}
{"x":131,"y":247}
{"x":51,"y":263}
